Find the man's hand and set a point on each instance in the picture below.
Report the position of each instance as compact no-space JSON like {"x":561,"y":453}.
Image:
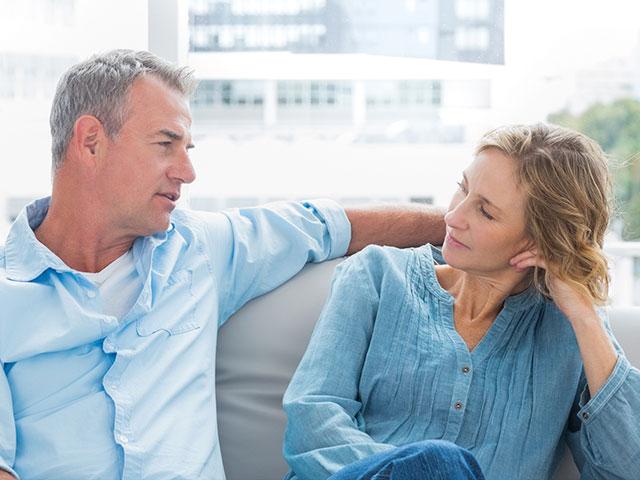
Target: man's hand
{"x":407,"y":225}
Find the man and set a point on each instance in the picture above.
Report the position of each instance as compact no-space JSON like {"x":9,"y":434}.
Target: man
{"x":111,"y":298}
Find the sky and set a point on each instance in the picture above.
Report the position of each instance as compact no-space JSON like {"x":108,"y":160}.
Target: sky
{"x":562,"y":35}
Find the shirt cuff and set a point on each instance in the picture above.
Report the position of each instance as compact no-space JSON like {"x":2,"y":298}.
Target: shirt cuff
{"x":589,"y":407}
{"x":6,"y":468}
{"x":337,"y":223}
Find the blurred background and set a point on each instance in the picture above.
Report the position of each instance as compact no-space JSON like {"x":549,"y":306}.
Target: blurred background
{"x":361,"y":101}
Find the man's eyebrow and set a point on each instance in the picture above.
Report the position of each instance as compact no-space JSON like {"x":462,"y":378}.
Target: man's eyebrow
{"x":173,"y":136}
{"x":482,"y":197}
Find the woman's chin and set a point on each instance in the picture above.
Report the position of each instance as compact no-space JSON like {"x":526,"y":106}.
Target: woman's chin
{"x":453,"y":257}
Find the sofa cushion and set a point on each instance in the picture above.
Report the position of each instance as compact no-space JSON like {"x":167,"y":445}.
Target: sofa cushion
{"x":259,"y":349}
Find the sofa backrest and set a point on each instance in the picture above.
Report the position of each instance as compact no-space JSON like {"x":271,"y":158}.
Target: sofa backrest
{"x":260,"y":347}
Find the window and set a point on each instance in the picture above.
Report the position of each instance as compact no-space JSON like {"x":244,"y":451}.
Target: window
{"x":472,"y":38}
{"x":472,"y":9}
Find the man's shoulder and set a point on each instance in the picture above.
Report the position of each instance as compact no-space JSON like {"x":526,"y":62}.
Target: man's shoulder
{"x":196,"y":218}
{"x":211,"y":230}
{"x":198,"y":222}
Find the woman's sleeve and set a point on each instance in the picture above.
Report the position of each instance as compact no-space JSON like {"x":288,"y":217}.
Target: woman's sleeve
{"x":322,"y":402}
{"x":604,"y":430}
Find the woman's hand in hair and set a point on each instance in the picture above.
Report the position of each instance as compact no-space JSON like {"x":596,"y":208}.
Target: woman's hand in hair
{"x":570,"y":300}
{"x":598,"y":353}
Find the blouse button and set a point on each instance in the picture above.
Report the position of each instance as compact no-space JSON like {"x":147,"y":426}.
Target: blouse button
{"x":466,"y":369}
{"x":457,"y":405}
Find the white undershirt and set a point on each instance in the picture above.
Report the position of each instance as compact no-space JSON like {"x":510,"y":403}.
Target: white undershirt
{"x":119,"y":285}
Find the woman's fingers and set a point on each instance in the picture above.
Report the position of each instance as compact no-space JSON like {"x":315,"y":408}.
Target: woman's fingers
{"x":523,"y":256}
{"x":527,"y":259}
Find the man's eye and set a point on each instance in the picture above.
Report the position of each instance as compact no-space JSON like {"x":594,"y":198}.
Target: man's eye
{"x":164,"y":144}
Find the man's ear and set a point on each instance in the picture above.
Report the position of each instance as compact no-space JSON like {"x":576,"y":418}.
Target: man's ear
{"x":88,"y":136}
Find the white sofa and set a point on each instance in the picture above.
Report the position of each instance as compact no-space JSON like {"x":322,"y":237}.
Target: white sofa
{"x":258,"y":351}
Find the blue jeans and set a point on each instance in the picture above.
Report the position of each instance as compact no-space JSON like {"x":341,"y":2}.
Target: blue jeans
{"x":426,"y":460}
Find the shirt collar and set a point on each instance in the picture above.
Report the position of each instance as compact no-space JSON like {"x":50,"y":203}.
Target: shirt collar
{"x":26,"y":258}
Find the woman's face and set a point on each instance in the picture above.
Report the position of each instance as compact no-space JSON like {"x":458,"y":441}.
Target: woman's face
{"x":485,"y":221}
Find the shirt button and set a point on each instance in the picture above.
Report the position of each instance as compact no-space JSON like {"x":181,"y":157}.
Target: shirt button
{"x":113,"y":386}
{"x":91,"y":293}
{"x":109,"y":319}
{"x":123,"y":439}
{"x":585,"y":416}
{"x":466,"y":369}
{"x":457,"y":405}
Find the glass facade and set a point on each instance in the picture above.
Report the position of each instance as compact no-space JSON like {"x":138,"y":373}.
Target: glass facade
{"x":468,"y":30}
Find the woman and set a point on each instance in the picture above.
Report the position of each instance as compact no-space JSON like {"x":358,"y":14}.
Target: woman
{"x":483,"y":366}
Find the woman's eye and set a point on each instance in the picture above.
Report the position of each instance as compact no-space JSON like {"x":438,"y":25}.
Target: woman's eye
{"x":461,"y":187}
{"x":485,"y":213}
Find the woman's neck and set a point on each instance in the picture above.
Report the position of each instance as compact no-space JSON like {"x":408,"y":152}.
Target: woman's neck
{"x":480,"y":297}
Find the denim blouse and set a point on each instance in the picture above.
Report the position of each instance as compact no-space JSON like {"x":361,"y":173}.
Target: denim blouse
{"x":386,"y":367}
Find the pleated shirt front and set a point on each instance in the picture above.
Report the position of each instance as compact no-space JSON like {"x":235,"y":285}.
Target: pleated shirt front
{"x":386,"y":367}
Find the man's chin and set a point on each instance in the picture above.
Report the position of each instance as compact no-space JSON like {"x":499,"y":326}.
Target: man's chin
{"x":158,"y":227}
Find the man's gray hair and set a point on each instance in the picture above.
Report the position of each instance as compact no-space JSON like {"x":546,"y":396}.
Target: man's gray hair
{"x":100,"y":86}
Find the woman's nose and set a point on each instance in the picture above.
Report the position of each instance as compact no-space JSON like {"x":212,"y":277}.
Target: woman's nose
{"x":456,"y":216}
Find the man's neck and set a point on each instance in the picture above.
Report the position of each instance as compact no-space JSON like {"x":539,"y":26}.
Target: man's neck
{"x":81,"y":237}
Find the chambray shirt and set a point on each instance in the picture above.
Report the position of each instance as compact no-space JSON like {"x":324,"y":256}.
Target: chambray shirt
{"x":385,"y":367}
{"x":88,"y":396}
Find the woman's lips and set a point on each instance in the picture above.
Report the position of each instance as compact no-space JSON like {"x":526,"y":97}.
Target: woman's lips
{"x":451,"y":240}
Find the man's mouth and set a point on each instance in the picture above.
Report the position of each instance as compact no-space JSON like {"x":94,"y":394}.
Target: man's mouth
{"x":171,"y":196}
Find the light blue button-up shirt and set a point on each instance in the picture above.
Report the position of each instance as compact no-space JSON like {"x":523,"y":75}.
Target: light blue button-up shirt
{"x":88,"y":396}
{"x":386,"y":367}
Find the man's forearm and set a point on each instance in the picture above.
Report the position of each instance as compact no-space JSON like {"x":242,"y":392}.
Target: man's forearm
{"x":407,"y":225}
{"x":4,"y":475}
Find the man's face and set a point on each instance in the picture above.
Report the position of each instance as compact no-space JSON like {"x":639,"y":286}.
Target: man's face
{"x":144,"y":166}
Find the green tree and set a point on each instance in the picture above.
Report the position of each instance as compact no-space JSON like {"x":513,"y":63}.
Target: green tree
{"x":616,"y":127}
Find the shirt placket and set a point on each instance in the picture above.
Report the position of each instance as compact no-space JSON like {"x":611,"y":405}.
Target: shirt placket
{"x":460,"y":393}
{"x":123,"y":431}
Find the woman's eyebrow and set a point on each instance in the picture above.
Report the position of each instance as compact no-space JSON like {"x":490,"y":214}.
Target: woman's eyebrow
{"x":482,"y":197}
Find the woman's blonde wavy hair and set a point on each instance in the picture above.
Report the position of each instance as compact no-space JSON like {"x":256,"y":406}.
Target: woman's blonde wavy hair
{"x":568,"y":186}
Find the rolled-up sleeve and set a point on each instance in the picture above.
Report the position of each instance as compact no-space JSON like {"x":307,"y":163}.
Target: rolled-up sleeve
{"x":7,"y":426}
{"x":254,"y":250}
{"x":322,"y":402}
{"x":606,"y":441}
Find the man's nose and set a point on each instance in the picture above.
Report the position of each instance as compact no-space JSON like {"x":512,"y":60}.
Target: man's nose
{"x":183,"y":169}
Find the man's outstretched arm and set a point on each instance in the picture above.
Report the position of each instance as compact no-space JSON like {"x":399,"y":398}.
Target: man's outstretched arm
{"x":407,"y":225}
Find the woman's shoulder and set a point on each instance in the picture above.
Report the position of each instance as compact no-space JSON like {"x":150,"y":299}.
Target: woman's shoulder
{"x":390,"y":262}
{"x":377,"y":255}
